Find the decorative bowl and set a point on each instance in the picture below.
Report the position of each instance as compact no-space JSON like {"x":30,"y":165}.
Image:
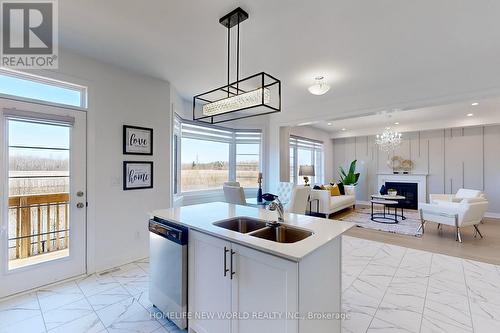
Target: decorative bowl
{"x":392,"y":193}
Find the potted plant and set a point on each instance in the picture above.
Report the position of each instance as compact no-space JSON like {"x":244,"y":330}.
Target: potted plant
{"x":349,"y":178}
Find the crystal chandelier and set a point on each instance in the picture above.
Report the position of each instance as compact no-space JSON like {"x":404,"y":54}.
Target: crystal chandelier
{"x":255,"y":95}
{"x":388,"y":140}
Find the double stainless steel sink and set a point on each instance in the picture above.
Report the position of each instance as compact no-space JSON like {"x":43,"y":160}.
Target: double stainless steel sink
{"x":279,"y":233}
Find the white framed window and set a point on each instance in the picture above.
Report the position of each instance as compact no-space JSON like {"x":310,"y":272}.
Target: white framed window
{"x":304,"y":151}
{"x":28,"y":87}
{"x":206,"y":156}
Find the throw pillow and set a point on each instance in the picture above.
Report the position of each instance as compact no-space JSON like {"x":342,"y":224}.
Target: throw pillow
{"x":341,"y":188}
{"x":316,"y":187}
{"x":334,"y":191}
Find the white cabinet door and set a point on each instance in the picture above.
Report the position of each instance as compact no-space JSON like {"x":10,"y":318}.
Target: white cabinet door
{"x":263,"y":284}
{"x":209,"y":290}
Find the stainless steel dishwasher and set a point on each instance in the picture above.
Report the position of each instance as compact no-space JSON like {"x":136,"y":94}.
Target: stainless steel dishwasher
{"x":168,"y":269}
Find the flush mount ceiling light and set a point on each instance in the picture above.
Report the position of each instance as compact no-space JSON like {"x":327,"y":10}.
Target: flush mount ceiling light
{"x":470,"y":114}
{"x":388,"y":140}
{"x":329,"y":124}
{"x":256,"y":95}
{"x":319,"y":87}
{"x":475,"y":104}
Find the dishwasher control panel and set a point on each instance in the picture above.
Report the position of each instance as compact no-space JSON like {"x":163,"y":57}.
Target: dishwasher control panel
{"x":169,"y":230}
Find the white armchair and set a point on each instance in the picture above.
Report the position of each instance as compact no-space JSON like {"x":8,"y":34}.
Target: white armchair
{"x":284,"y":192}
{"x":445,"y":210}
{"x":459,"y":196}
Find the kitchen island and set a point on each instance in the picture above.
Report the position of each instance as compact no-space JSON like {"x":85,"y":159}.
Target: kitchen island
{"x":253,"y":280}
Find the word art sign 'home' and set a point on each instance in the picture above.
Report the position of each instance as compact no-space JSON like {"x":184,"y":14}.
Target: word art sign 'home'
{"x":137,"y":175}
{"x":137,"y":140}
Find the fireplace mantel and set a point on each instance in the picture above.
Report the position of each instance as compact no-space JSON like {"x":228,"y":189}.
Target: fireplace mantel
{"x":419,"y":179}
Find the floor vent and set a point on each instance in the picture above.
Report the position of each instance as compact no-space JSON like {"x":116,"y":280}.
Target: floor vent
{"x":110,"y":271}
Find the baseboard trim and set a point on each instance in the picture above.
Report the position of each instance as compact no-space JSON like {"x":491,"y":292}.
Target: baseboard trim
{"x":492,"y":215}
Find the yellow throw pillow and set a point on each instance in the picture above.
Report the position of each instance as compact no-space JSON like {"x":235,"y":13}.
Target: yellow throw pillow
{"x":334,"y":190}
{"x":322,"y":187}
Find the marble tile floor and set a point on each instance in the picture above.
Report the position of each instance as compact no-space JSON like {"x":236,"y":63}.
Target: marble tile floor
{"x":386,"y":288}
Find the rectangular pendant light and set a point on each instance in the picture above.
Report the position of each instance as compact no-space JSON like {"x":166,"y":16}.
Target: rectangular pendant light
{"x":255,"y":95}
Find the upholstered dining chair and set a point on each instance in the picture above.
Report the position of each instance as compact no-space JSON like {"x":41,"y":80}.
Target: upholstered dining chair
{"x":234,"y":193}
{"x":298,"y":200}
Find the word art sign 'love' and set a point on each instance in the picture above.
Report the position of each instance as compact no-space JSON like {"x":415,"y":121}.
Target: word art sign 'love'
{"x":137,"y":140}
{"x":137,"y":175}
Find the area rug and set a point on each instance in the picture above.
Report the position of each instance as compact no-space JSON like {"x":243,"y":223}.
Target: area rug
{"x":362,"y":218}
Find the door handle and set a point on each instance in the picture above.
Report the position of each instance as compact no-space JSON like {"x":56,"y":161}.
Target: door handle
{"x":225,"y":261}
{"x":232,"y":272}
{"x":80,"y":205}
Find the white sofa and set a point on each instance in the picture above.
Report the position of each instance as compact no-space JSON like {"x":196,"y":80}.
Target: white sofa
{"x":330,"y":204}
{"x":465,"y":208}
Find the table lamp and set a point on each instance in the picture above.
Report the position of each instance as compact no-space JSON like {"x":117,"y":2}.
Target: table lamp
{"x":306,"y":171}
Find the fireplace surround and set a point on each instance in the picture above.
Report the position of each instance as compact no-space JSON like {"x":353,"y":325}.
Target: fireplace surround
{"x":419,"y":179}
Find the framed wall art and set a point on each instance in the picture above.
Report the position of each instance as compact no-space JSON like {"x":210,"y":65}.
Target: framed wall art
{"x":137,"y":140}
{"x":137,"y":175}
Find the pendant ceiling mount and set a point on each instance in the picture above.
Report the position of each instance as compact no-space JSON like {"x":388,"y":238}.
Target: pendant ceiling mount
{"x":234,"y":18}
{"x":255,"y":95}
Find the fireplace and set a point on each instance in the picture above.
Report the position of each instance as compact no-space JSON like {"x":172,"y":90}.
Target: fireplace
{"x":408,"y":190}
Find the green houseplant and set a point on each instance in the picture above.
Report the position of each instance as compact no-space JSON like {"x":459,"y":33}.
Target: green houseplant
{"x":350,"y":177}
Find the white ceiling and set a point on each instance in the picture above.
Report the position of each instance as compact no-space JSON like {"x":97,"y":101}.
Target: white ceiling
{"x":461,"y":114}
{"x":374,"y":54}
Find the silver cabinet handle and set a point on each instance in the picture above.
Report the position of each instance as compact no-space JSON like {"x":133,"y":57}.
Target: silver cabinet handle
{"x":225,"y":261}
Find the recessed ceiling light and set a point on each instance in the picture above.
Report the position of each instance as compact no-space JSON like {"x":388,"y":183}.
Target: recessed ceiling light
{"x":343,"y":129}
{"x":470,"y":114}
{"x":396,"y":123}
{"x":329,"y":124}
{"x":319,"y":87}
{"x":475,"y":104}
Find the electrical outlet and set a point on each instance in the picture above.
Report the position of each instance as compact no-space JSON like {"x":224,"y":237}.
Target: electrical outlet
{"x":115,"y":181}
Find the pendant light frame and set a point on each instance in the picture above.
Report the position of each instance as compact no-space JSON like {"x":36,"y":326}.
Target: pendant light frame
{"x":255,"y":95}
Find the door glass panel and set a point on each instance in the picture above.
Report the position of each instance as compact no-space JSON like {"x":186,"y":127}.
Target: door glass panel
{"x":39,"y":181}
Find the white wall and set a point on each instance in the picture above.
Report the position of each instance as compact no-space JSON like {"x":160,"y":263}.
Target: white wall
{"x":117,"y":219}
{"x":466,"y":157}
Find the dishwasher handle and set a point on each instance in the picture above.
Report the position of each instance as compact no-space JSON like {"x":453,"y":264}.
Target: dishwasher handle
{"x":174,"y":233}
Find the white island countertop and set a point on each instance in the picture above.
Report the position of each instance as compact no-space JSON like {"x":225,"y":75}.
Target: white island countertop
{"x":201,"y":218}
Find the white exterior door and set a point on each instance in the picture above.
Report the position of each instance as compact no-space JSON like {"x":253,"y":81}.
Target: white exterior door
{"x":209,"y":283}
{"x":267,"y":285}
{"x":43,"y":195}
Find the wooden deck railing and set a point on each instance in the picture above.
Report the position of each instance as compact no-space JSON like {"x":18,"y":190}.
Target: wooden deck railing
{"x":41,"y":223}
